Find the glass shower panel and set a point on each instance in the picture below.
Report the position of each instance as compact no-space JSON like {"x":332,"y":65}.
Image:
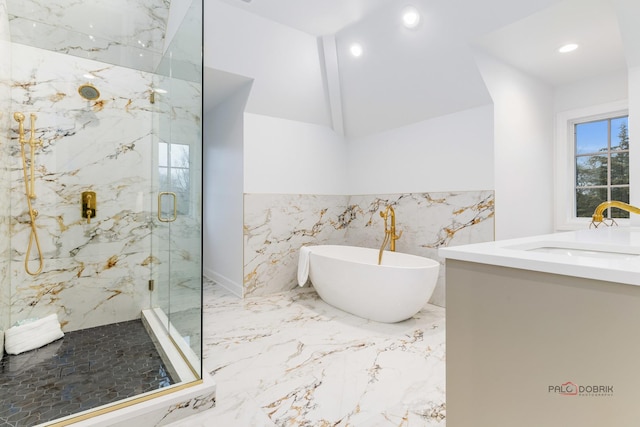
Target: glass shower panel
{"x":177,"y":237}
{"x":5,"y":212}
{"x":97,"y":264}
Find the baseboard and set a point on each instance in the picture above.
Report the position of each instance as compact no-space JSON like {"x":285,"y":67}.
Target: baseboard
{"x":228,"y":284}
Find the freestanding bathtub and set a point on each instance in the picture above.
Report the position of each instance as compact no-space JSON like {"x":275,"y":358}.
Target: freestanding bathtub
{"x":349,"y":278}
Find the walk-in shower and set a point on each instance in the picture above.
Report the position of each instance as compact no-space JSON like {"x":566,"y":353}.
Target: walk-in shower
{"x":100,"y":220}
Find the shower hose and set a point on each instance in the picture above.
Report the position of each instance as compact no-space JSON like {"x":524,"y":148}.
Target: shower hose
{"x":28,"y":185}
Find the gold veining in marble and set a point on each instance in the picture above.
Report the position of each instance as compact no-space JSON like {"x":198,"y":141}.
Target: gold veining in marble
{"x":291,"y":359}
{"x":276,"y":226}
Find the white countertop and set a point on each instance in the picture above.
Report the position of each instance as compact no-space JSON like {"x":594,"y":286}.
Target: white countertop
{"x":606,"y":253}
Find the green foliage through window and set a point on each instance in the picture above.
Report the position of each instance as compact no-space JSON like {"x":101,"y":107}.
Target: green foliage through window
{"x":602,"y":165}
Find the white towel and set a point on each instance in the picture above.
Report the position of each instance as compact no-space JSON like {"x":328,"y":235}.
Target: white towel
{"x":32,"y":335}
{"x":303,"y":265}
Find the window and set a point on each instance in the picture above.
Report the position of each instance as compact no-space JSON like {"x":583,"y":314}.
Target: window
{"x":591,"y":163}
{"x":601,"y":165}
{"x":174,"y":175}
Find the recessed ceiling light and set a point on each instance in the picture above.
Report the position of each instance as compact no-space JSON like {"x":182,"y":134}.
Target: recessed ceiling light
{"x":356,"y":50}
{"x":410,"y":17}
{"x":568,"y":48}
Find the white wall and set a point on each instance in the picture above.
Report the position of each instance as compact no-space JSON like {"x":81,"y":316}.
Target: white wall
{"x":523,"y":126}
{"x":290,"y":157}
{"x":448,"y":153}
{"x":223,"y":192}
{"x":596,"y":91}
{"x":592,"y":97}
{"x":634,"y":131}
{"x":628,"y":12}
{"x":284,"y":62}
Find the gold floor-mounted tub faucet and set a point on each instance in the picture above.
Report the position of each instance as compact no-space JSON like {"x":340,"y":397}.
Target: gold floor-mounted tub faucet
{"x":598,"y":217}
{"x":389,"y":232}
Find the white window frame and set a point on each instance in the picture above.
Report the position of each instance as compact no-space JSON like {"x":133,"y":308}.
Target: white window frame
{"x":565,"y":164}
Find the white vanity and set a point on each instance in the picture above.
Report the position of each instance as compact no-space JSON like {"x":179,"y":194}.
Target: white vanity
{"x":544,"y":331}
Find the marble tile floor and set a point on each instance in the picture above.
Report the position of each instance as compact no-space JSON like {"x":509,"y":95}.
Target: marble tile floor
{"x":292,"y":360}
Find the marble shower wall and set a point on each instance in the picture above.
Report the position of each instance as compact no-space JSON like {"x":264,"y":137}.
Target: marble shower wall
{"x":94,"y":273}
{"x":86,"y":29}
{"x":276,"y":226}
{"x":5,"y":125}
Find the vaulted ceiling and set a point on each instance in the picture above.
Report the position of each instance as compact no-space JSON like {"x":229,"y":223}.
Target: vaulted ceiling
{"x":409,"y":75}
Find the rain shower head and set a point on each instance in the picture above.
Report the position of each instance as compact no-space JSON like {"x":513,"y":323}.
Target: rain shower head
{"x":89,"y":92}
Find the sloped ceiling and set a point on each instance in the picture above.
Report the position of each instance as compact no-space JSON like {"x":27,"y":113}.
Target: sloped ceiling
{"x":406,"y":76}
{"x":317,"y":17}
{"x":531,"y":44}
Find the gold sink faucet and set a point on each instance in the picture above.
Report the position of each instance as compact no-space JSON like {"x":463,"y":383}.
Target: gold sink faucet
{"x":598,"y":217}
{"x":389,"y":232}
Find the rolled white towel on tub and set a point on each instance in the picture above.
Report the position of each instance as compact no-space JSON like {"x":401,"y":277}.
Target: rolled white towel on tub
{"x":303,"y":265}
{"x":32,"y":335}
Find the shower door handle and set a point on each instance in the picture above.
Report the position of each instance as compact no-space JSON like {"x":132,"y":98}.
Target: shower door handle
{"x":175,"y":206}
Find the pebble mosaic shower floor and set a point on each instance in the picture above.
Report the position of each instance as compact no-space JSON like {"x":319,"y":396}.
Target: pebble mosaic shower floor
{"x":83,"y":370}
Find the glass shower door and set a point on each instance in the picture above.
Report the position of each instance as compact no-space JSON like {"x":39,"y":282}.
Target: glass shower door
{"x":178,"y":282}
{"x":177,"y":234}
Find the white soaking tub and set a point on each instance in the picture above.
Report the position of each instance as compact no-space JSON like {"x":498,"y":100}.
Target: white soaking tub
{"x":349,"y":278}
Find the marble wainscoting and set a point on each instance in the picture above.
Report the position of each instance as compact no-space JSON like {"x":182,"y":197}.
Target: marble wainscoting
{"x":427,"y":221}
{"x":94,"y":273}
{"x":94,"y":30}
{"x":291,"y":359}
{"x":276,"y":226}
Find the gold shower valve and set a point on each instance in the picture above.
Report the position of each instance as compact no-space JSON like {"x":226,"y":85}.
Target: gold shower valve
{"x":88,"y":205}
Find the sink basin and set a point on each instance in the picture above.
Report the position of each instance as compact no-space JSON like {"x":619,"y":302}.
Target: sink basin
{"x":583,"y":252}
{"x":575,"y":249}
